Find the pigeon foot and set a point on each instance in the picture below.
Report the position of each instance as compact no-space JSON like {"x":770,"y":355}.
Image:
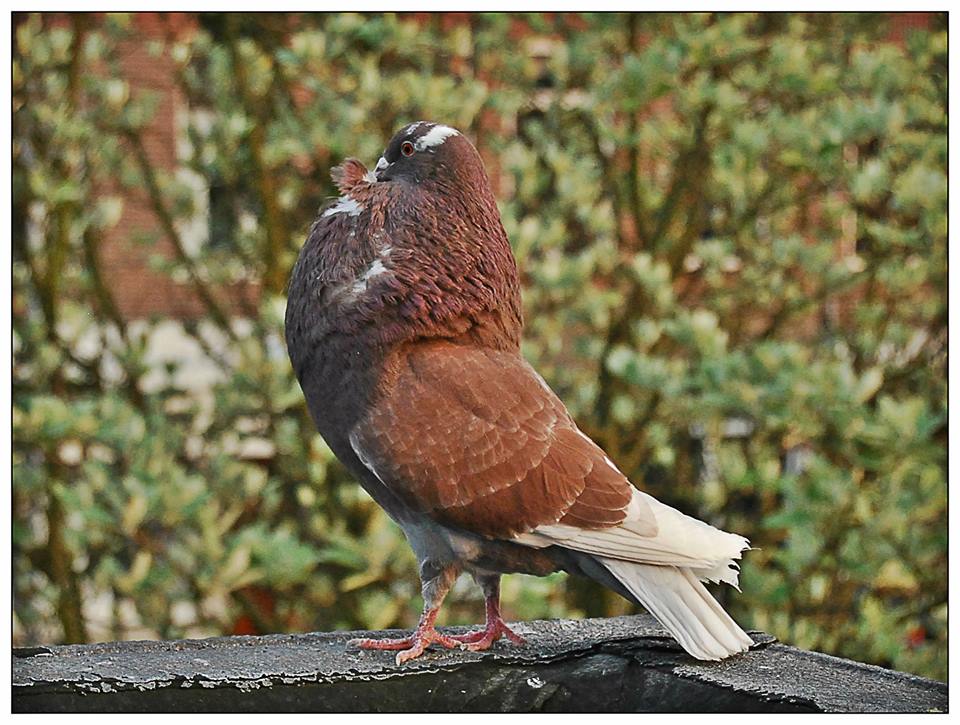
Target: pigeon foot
{"x":483,"y":638}
{"x":413,"y":646}
{"x":495,"y":627}
{"x":410,"y":647}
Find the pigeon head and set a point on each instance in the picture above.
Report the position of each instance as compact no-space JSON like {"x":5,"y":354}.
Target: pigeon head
{"x":425,"y":152}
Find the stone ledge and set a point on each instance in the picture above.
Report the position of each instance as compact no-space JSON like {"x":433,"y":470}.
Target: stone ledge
{"x":623,"y":664}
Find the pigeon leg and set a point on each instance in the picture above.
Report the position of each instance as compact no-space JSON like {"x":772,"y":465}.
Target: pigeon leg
{"x":495,"y":627}
{"x":434,"y":591}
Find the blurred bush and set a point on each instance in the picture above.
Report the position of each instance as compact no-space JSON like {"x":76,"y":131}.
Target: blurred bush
{"x":732,"y":230}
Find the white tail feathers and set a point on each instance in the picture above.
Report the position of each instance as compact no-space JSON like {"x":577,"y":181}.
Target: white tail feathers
{"x":684,"y":606}
{"x":661,"y":562}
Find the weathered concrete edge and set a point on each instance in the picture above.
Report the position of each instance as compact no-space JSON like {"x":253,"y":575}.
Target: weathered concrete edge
{"x":638,"y":636}
{"x":939,"y":691}
{"x":291,"y":661}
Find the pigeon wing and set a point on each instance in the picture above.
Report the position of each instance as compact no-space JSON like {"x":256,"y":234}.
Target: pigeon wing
{"x":474,"y":438}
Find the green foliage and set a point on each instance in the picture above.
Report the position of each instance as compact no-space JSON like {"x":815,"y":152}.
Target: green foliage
{"x":732,"y":231}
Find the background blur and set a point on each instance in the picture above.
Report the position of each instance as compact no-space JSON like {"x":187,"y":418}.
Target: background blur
{"x":732,"y":231}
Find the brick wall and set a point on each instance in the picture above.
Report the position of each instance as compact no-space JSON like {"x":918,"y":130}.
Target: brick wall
{"x":126,"y":249}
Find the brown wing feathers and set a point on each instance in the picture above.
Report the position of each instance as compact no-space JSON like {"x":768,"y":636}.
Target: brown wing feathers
{"x":472,"y":437}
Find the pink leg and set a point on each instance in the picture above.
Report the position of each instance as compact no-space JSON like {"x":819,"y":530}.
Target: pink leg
{"x":434,"y":590}
{"x":495,"y":628}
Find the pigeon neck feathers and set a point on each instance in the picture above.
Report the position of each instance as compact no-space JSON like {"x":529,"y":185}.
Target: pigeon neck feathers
{"x":418,"y":253}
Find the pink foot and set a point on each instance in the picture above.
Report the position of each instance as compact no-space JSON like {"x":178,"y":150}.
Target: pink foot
{"x":409,"y":647}
{"x":483,"y":638}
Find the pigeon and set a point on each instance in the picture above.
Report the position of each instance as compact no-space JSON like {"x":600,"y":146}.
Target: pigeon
{"x":403,"y":326}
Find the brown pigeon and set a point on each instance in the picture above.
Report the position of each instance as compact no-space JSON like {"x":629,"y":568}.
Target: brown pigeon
{"x":403,"y":326}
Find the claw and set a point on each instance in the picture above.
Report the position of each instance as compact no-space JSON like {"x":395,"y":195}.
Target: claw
{"x":412,"y":646}
{"x":389,"y":644}
{"x":482,"y":639}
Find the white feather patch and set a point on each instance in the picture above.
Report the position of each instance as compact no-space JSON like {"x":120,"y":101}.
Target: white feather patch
{"x":345,"y":204}
{"x":375,"y":269}
{"x":364,"y":458}
{"x":434,"y":137}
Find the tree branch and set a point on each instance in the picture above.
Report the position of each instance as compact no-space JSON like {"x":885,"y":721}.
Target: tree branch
{"x":266,"y":184}
{"x":633,"y":132}
{"x":170,"y":230}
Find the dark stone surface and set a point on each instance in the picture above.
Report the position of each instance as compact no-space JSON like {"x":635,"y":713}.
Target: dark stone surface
{"x":623,"y":664}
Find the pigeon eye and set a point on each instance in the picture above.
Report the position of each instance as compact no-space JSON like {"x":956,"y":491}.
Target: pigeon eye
{"x":406,"y":148}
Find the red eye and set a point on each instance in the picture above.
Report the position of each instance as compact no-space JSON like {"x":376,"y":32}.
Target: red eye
{"x":406,"y":148}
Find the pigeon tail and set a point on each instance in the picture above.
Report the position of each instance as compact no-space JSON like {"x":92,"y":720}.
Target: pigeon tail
{"x":682,"y":604}
{"x":663,"y":570}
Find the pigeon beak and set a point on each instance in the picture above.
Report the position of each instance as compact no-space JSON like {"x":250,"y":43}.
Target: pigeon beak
{"x":381,"y":165}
